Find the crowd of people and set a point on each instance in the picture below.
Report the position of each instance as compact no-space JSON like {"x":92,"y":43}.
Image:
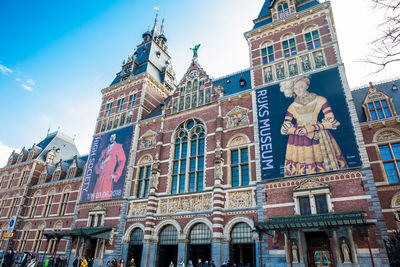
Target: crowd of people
{"x":206,"y":264}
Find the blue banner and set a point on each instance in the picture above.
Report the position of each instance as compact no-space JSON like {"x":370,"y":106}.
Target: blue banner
{"x":304,"y":127}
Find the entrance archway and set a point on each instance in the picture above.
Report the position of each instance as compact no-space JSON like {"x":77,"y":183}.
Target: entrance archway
{"x":167,"y":246}
{"x":199,"y":243}
{"x":136,"y":247}
{"x":242,"y":245}
{"x":318,"y":249}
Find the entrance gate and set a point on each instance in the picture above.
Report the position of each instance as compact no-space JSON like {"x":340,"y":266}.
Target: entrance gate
{"x":135,"y":247}
{"x":199,"y":243}
{"x":167,"y":246}
{"x":242,"y":245}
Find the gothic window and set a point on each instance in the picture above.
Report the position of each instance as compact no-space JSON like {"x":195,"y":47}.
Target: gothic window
{"x":120,"y":104}
{"x":56,"y":175}
{"x":71,"y":172}
{"x":143,"y":181}
{"x":312,"y":38}
{"x":189,"y":87}
{"x":289,"y":46}
{"x":390,"y":155}
{"x":132,"y":99}
{"x":267,"y":53}
{"x":283,"y":10}
{"x":379,"y":109}
{"x":319,"y":60}
{"x":188,"y":162}
{"x":108,"y":108}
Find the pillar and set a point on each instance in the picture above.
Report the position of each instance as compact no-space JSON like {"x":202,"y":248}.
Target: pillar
{"x":217,"y":251}
{"x":352,"y":246}
{"x":182,"y":248}
{"x":336,"y":247}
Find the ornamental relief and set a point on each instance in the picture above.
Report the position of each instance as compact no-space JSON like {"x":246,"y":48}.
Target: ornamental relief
{"x":185,"y":204}
{"x":239,"y":140}
{"x":148,"y":140}
{"x":387,"y":135}
{"x":138,"y":209}
{"x":237,"y":117}
{"x":241,"y":199}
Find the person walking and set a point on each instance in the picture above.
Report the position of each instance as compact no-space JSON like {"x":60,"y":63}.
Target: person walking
{"x":190,"y":264}
{"x":199,"y":263}
{"x":171,"y":264}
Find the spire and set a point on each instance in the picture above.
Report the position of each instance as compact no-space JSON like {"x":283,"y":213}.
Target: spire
{"x":156,"y":19}
{"x":162,"y":26}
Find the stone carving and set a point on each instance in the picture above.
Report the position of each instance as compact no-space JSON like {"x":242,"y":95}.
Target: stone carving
{"x":387,"y":135}
{"x":237,"y":141}
{"x":155,"y":171}
{"x":345,"y":251}
{"x":294,"y":253}
{"x":186,"y":204}
{"x":241,"y":199}
{"x":138,"y":209}
{"x":218,"y":162}
{"x":310,"y":184}
{"x":237,"y":117}
{"x":148,"y":140}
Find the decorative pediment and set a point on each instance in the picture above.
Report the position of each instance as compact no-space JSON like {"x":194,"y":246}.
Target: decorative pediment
{"x":98,"y":208}
{"x":374,"y":94}
{"x":310,"y":184}
{"x":148,"y":140}
{"x":237,"y":117}
{"x":387,"y":135}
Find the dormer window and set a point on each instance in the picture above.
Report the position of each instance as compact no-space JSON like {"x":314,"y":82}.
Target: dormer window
{"x":283,"y":10}
{"x":50,"y":157}
{"x":71,"y":172}
{"x":56,"y":175}
{"x":42,"y":178}
{"x":379,"y":110}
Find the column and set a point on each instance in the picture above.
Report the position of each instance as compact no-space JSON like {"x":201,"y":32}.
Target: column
{"x":217,"y":251}
{"x":300,"y":246}
{"x":182,"y":248}
{"x":125,"y":250}
{"x":352,"y":246}
{"x":337,"y":248}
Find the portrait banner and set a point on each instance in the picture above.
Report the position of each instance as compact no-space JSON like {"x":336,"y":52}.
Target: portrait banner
{"x":104,"y":178}
{"x":304,"y":127}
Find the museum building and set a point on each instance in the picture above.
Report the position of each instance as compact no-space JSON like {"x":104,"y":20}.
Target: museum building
{"x":266,"y":166}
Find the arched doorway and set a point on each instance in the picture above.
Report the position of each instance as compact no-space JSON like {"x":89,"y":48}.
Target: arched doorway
{"x":199,"y":243}
{"x":167,"y":246}
{"x":242,"y":245}
{"x":136,"y":246}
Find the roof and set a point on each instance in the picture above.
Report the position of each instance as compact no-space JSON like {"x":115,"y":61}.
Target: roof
{"x":87,"y":232}
{"x":158,"y":110}
{"x":386,"y":87}
{"x":63,"y":145}
{"x":264,"y":17}
{"x":231,"y":83}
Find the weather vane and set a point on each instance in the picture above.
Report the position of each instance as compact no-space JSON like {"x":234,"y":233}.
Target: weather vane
{"x":196,"y":47}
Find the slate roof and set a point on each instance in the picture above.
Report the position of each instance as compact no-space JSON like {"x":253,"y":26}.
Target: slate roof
{"x":58,"y":141}
{"x":158,"y":110}
{"x":265,"y":18}
{"x":231,"y":83}
{"x":385,"y":87}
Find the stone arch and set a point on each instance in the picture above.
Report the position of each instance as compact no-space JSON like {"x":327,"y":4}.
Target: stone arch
{"x":195,"y":221}
{"x":395,"y":203}
{"x":238,"y":139}
{"x":386,"y":134}
{"x":28,"y":226}
{"x":129,"y":231}
{"x":162,"y":224}
{"x":37,"y":193}
{"x":58,"y":224}
{"x":239,"y":219}
{"x":287,"y":36}
{"x":42,"y":225}
{"x":310,"y":27}
{"x":52,"y":191}
{"x":67,"y":189}
{"x":145,"y":159}
{"x":173,"y":136}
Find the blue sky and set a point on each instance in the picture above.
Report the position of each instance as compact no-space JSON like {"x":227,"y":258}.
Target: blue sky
{"x":56,"y":56}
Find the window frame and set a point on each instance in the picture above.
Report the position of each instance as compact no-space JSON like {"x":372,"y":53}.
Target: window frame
{"x":311,"y":195}
{"x":240,"y":165}
{"x":269,"y":56}
{"x":143,"y":183}
{"x":183,"y":171}
{"x":312,"y":42}
{"x":394,"y":160}
{"x":382,"y":108}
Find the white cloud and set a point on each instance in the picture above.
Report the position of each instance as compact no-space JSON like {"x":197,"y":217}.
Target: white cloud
{"x":5,"y":70}
{"x":5,"y":152}
{"x":27,"y":87}
{"x":30,"y":81}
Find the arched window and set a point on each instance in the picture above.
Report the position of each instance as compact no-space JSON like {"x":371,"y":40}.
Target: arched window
{"x":267,"y":53}
{"x":143,"y":181}
{"x":168,"y":236}
{"x":239,"y":161}
{"x":242,"y":244}
{"x":241,"y":234}
{"x":200,"y":235}
{"x":137,"y":237}
{"x":109,"y":107}
{"x":390,"y":155}
{"x":283,"y":10}
{"x":188,"y":163}
{"x":120,"y":103}
{"x":289,"y":45}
